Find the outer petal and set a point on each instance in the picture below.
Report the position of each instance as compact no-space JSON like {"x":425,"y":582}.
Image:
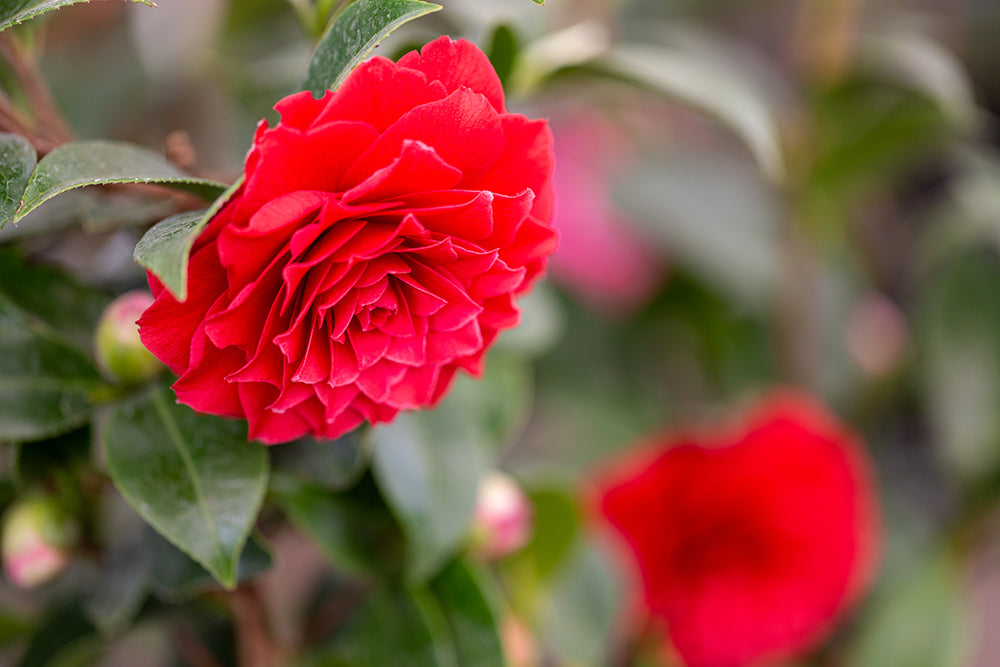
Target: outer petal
{"x":458,"y":64}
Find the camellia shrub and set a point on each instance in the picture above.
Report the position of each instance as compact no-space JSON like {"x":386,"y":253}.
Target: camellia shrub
{"x":497,"y":333}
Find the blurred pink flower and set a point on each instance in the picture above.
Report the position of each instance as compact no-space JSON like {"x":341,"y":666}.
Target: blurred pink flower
{"x":601,"y":259}
{"x":503,"y":517}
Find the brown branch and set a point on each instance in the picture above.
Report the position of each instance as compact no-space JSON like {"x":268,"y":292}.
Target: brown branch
{"x":255,"y":645}
{"x":53,"y":127}
{"x":191,"y":649}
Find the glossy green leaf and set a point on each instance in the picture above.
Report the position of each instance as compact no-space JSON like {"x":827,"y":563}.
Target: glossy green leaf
{"x":920,"y":619}
{"x":51,"y":301}
{"x":502,"y":51}
{"x":17,"y":160}
{"x":331,"y":464}
{"x":730,"y":242}
{"x":714,"y":86}
{"x":959,"y":332}
{"x":45,"y":385}
{"x":97,"y":162}
{"x":13,"y":626}
{"x":354,"y":530}
{"x":557,"y":524}
{"x":428,"y":466}
{"x":13,"y":12}
{"x":166,"y":247}
{"x":46,"y":464}
{"x":448,"y":623}
{"x":910,"y":58}
{"x":62,"y":631}
{"x":581,"y":608}
{"x":458,"y":590}
{"x":177,"y":578}
{"x":389,"y":625}
{"x":353,"y":35}
{"x":193,"y":477}
{"x":118,"y":592}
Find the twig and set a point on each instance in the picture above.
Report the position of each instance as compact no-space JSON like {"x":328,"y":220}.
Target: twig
{"x":191,"y":649}
{"x":334,"y":610}
{"x":255,"y":646}
{"x":52,"y":125}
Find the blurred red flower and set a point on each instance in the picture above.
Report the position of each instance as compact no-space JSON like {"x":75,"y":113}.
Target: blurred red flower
{"x":375,"y":249}
{"x":749,"y":541}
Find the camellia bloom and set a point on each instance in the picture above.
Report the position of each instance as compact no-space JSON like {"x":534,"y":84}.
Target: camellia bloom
{"x":375,"y":248}
{"x":749,"y":541}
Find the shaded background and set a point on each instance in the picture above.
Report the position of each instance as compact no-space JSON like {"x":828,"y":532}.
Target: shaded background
{"x":750,"y":194}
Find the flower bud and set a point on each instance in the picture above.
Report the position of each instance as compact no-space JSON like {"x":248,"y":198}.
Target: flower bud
{"x":121,"y":356}
{"x":502,"y":519}
{"x":38,"y":536}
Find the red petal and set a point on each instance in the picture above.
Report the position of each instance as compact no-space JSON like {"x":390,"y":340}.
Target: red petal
{"x":526,"y":162}
{"x":300,"y":110}
{"x":343,"y":365}
{"x":415,"y":389}
{"x":377,"y":380}
{"x":203,"y":388}
{"x":443,"y":348}
{"x":458,"y":63}
{"x":463,"y":128}
{"x":286,"y":159}
{"x":418,"y":168}
{"x":378,"y":92}
{"x":166,"y":328}
{"x":267,"y":426}
{"x":369,"y":346}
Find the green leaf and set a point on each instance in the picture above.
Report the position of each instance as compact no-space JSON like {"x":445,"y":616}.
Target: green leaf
{"x":713,"y":83}
{"x":473,"y":625}
{"x":354,"y":530}
{"x":959,"y":335}
{"x":50,"y":301}
{"x":503,"y":51}
{"x":579,"y":617}
{"x":428,"y":465}
{"x":921,"y":619}
{"x":45,"y":386}
{"x":166,"y":247}
{"x":448,"y":623}
{"x":17,"y":160}
{"x":332,"y":464}
{"x":13,"y":626}
{"x":353,"y":35}
{"x":63,"y":630}
{"x":97,"y":162}
{"x":118,"y":592}
{"x":909,"y":58}
{"x":557,"y":523}
{"x":193,"y":477}
{"x":13,"y":12}
{"x":389,"y":626}
{"x":732,"y":243}
{"x":177,"y":578}
{"x":45,"y":464}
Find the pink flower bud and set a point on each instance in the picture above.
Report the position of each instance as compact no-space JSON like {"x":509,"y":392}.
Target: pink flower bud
{"x":121,"y":356}
{"x":518,"y":643}
{"x":38,"y":537}
{"x":502,"y":520}
{"x":877,"y":335}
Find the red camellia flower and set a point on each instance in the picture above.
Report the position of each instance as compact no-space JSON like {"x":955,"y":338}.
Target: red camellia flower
{"x":749,"y":541}
{"x":375,"y":248}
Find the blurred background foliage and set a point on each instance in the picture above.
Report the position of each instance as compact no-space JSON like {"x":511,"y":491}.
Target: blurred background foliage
{"x":750,"y":193}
